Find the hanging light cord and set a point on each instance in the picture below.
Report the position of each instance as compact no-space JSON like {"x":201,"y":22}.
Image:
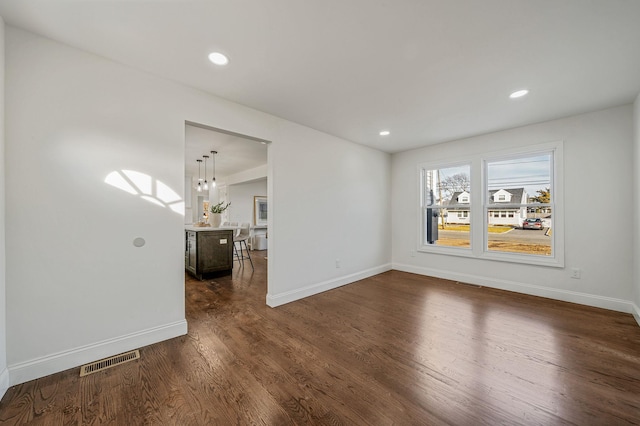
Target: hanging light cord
{"x":199,"y":184}
{"x":206,"y":185}
{"x":213,"y":179}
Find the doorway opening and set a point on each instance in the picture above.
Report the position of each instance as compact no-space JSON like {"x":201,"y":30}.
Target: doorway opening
{"x":230,"y":171}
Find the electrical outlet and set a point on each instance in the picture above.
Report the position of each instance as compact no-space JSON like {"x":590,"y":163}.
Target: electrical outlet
{"x":575,"y":273}
{"x":337,"y":263}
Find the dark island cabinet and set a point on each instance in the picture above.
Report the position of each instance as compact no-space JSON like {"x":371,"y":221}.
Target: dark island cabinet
{"x":208,"y":251}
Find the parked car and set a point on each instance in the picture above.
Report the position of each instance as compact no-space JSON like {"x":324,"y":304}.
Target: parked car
{"x":532,"y":224}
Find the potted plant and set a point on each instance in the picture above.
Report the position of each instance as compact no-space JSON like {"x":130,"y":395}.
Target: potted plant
{"x":215,"y":216}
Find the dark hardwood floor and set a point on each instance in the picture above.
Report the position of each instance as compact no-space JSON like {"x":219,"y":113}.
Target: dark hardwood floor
{"x":393,"y":349}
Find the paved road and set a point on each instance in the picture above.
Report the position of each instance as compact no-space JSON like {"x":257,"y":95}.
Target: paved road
{"x":526,"y":236}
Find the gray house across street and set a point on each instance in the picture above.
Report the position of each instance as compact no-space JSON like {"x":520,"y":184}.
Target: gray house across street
{"x":458,"y":207}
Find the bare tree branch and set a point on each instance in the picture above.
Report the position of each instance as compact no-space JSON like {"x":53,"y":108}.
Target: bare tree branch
{"x":456,"y":183}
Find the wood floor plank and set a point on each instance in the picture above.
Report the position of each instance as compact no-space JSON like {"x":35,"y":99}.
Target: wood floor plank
{"x":396,"y":348}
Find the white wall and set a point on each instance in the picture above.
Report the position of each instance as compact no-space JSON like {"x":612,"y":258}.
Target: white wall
{"x":241,"y":198}
{"x":330,"y":202}
{"x":4,"y":373}
{"x":256,"y":173}
{"x":77,"y":289}
{"x":636,"y":208}
{"x":598,"y":162}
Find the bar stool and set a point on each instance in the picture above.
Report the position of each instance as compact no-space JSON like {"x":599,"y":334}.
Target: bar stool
{"x":241,"y":238}
{"x":235,"y":232}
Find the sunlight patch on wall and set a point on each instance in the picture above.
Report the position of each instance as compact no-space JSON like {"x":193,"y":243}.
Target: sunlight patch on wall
{"x":149,"y":189}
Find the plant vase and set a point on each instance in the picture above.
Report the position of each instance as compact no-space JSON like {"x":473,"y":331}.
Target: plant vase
{"x":215,"y":219}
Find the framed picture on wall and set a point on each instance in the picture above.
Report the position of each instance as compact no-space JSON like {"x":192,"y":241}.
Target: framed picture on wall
{"x":259,"y":210}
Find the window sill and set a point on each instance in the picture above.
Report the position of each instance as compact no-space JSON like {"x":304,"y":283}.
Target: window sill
{"x":522,"y":259}
{"x":451,"y":251}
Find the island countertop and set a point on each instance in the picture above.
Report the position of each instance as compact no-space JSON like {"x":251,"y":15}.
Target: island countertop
{"x":209,"y":228}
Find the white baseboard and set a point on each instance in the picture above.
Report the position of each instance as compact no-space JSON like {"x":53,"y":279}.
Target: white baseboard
{"x":636,"y":313}
{"x":40,"y":367}
{"x":4,"y":382}
{"x":274,"y":300}
{"x":610,"y":303}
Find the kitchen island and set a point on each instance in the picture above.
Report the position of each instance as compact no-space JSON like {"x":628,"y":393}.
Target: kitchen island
{"x":208,"y":250}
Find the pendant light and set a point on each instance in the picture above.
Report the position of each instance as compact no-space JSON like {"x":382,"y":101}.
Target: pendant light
{"x":206,"y":185}
{"x":213,"y":180}
{"x":199,"y":188}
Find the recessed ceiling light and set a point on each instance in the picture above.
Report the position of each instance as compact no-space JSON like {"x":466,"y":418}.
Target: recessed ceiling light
{"x":218,"y":58}
{"x":518,"y":93}
{"x":385,"y":133}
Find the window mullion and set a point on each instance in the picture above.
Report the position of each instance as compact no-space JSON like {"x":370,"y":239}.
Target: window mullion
{"x":477,"y":200}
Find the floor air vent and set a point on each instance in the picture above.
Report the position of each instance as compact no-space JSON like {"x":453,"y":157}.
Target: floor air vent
{"x":103,"y":364}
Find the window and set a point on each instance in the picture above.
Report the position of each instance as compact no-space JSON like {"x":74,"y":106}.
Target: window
{"x":441,"y":189}
{"x":500,"y":206}
{"x":528,"y":178}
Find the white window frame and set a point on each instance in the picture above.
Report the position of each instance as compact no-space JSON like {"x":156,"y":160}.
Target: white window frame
{"x":555,"y":149}
{"x":478,"y":214}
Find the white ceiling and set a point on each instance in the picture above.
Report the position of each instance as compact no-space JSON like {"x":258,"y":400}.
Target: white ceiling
{"x":427,"y":70}
{"x":235,"y":154}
